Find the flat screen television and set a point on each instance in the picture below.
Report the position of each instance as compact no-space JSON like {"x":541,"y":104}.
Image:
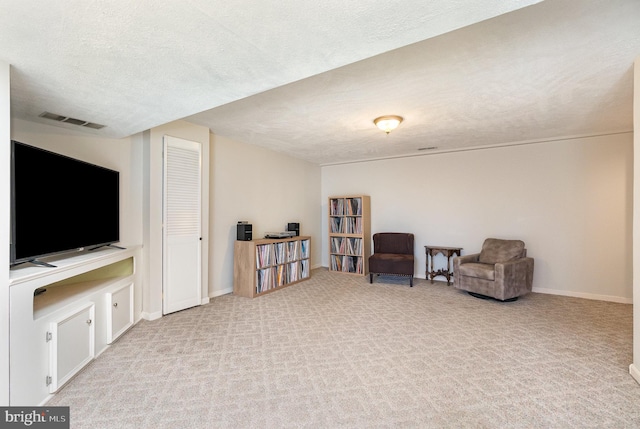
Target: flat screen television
{"x":60,"y":204}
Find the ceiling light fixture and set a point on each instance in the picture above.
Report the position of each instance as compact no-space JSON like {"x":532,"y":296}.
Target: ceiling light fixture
{"x":388,"y":123}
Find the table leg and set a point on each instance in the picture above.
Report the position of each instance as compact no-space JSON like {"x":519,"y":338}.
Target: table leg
{"x":426,"y":265}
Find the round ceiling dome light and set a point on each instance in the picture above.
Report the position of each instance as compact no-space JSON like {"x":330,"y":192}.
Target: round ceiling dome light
{"x":388,"y":123}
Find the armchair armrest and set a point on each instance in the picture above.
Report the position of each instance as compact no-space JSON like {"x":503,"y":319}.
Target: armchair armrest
{"x":465,"y":259}
{"x":516,"y":273}
{"x":462,"y":260}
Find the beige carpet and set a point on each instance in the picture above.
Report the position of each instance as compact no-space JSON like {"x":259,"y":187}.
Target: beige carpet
{"x":335,"y":351}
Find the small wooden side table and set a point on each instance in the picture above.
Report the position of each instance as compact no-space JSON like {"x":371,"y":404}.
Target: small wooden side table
{"x":449,"y":253}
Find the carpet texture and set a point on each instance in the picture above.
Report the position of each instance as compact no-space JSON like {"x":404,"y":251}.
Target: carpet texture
{"x":336,"y":351}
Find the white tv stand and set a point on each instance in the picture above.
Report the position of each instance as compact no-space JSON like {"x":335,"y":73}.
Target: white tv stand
{"x":91,"y":299}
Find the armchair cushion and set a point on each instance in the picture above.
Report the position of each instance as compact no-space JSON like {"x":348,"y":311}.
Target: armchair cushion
{"x":478,"y":270}
{"x":391,"y":263}
{"x":496,"y":251}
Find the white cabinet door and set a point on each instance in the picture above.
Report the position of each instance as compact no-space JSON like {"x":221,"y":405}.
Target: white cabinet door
{"x":72,"y":339}
{"x":119,"y":312}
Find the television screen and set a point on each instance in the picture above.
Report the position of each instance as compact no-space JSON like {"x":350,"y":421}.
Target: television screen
{"x":60,"y":204}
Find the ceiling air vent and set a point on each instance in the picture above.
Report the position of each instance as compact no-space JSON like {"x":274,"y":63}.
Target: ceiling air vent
{"x":68,"y":120}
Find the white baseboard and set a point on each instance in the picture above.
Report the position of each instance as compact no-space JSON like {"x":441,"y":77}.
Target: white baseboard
{"x":635,"y":372}
{"x":151,"y":316}
{"x":593,"y":296}
{"x":47,"y":399}
{"x":222,"y":292}
{"x":203,"y":301}
{"x":596,"y":297}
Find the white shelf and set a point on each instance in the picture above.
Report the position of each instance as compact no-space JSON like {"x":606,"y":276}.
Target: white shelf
{"x":57,"y":297}
{"x":78,"y":281}
{"x":80,"y":262}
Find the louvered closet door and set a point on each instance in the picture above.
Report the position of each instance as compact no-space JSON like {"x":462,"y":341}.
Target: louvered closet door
{"x":181,"y":283}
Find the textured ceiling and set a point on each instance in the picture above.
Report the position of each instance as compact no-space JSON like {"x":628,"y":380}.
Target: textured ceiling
{"x":308,"y":78}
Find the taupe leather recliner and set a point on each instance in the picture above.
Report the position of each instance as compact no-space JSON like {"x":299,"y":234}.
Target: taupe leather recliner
{"x":501,"y":270}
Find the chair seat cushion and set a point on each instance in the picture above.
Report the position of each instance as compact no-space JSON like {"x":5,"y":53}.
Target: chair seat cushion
{"x":477,"y":270}
{"x":391,"y":263}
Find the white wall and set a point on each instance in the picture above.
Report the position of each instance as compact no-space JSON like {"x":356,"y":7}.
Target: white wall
{"x":265,"y":188}
{"x":569,"y":200}
{"x":115,"y":154}
{"x":152,"y":142}
{"x":5,"y":155}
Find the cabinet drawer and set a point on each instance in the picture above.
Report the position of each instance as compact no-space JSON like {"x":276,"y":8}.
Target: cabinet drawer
{"x":119,"y":311}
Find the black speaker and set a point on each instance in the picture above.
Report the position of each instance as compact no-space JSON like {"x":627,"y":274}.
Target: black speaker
{"x":294,"y":227}
{"x":244,"y":231}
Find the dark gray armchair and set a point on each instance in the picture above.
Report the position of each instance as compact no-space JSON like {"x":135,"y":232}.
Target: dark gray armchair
{"x":392,"y":255}
{"x":501,"y":270}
